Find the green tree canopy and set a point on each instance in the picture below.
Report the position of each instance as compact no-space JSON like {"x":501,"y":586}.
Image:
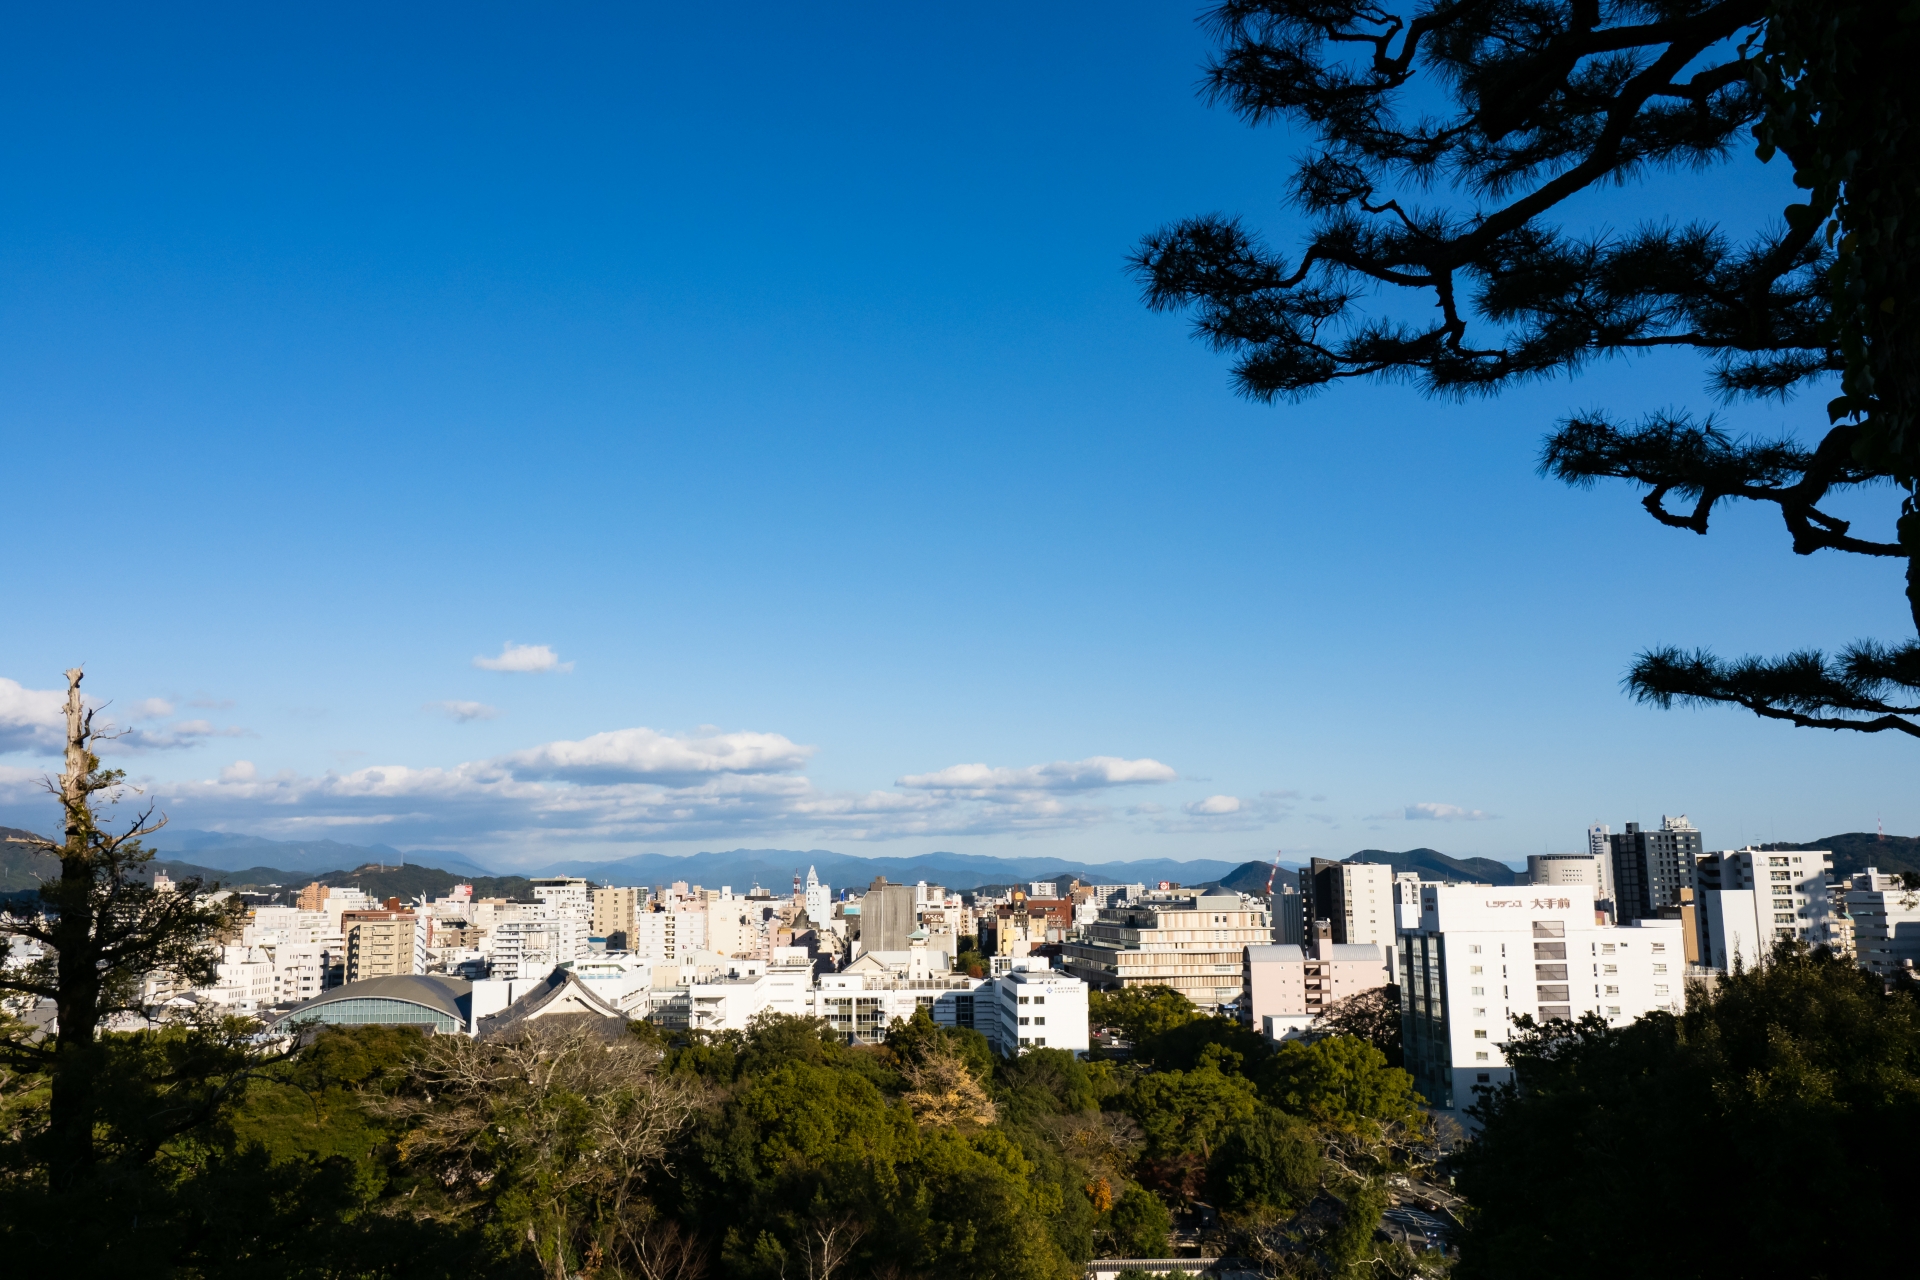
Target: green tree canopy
{"x":1341,"y":1080}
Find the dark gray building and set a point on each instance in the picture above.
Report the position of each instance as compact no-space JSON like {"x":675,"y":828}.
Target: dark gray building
{"x":1650,"y":868}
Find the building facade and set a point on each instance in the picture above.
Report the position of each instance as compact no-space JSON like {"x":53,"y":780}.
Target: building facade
{"x":886,"y":916}
{"x":1549,"y":870}
{"x":1355,"y":898}
{"x":1751,"y":898}
{"x":1191,"y":942}
{"x":613,"y":914}
{"x":1651,"y":868}
{"x":1482,"y":957}
{"x":1033,"y":1007}
{"x":1886,"y":922}
{"x":382,"y":944}
{"x":1286,"y":989}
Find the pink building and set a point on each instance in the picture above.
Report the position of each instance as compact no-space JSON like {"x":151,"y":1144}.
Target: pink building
{"x":1285,"y":988}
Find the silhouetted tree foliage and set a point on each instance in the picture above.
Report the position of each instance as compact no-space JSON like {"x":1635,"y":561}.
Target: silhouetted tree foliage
{"x":1511,"y":107}
{"x":1793,"y":1089}
{"x":1372,"y":1015}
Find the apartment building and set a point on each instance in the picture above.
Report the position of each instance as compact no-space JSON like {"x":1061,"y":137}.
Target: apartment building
{"x":1886,"y":922}
{"x":613,"y":913}
{"x":532,"y":944}
{"x":664,"y":936}
{"x":568,"y":896}
{"x":1284,"y":990}
{"x":1482,"y":956}
{"x":1355,"y":898}
{"x":382,"y":944}
{"x":1194,"y":943}
{"x":1750,"y":898}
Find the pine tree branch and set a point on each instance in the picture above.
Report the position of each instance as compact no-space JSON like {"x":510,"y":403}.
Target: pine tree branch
{"x":1855,"y":692}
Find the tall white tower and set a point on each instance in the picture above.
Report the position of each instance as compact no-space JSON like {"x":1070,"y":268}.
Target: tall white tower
{"x":819,"y":899}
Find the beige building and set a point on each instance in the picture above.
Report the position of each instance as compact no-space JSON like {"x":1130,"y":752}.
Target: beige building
{"x":381,"y":944}
{"x":1193,"y":943}
{"x":613,"y":913}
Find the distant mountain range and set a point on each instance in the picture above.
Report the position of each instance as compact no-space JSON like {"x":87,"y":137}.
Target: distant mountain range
{"x":238,"y":859}
{"x":774,"y":869}
{"x":224,"y":852}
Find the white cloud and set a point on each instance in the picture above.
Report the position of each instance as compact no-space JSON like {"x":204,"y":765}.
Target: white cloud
{"x":627,"y":755}
{"x":1212,"y":807}
{"x":1429,"y":812}
{"x":523,"y":657}
{"x":639,"y":784}
{"x":624,"y":785}
{"x":174,"y":737}
{"x":1062,"y":775}
{"x":463,"y":711}
{"x":31,"y":719}
{"x":34,"y":720}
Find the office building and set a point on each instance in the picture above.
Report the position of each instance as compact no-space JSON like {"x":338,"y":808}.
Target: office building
{"x":1481,"y":957}
{"x":860,"y":1004}
{"x":1886,"y":922}
{"x":1650,"y":868}
{"x":1750,"y":898}
{"x":1031,"y":1006}
{"x":1289,"y":913}
{"x":1595,"y":870}
{"x":886,"y":916}
{"x":1194,"y":943}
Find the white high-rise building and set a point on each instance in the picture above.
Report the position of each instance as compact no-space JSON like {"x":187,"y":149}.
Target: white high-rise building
{"x":819,"y":900}
{"x":1482,"y":956}
{"x":1599,"y":841}
{"x":568,"y":896}
{"x":663,"y":937}
{"x":1356,"y":898}
{"x":1750,"y":898}
{"x":1886,"y":922}
{"x":533,"y":946}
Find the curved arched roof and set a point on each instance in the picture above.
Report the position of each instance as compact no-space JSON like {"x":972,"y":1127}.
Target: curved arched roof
{"x":441,"y":994}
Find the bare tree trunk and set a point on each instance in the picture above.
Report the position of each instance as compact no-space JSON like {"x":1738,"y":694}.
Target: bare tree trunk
{"x":76,"y":1051}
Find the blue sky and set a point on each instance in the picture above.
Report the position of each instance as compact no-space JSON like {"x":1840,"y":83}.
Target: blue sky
{"x":778,"y":372}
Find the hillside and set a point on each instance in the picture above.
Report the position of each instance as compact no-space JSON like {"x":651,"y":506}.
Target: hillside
{"x":1434,"y":865}
{"x":227,"y":852}
{"x":381,"y":880}
{"x":1858,"y":850}
{"x":22,"y":867}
